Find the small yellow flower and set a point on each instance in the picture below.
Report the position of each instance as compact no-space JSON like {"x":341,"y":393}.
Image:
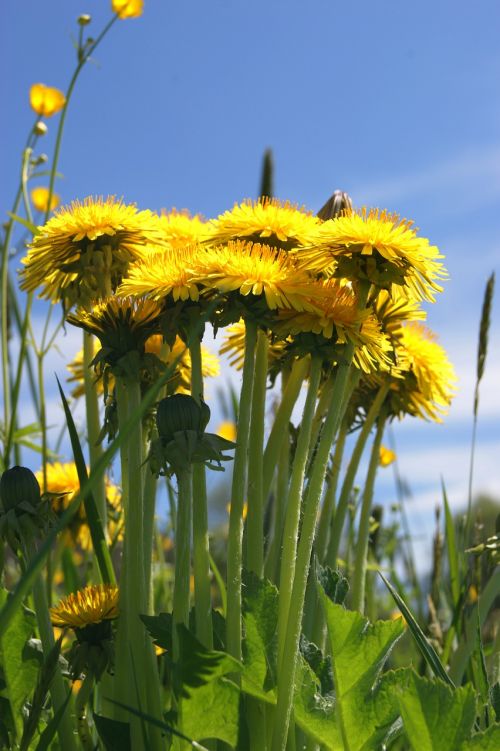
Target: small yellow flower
{"x":86,"y":607}
{"x":40,"y":199}
{"x":227,"y":430}
{"x":128,"y":8}
{"x":46,"y":100}
{"x":386,"y":456}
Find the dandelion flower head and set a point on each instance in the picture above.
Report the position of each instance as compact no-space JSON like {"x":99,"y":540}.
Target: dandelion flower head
{"x":86,"y":607}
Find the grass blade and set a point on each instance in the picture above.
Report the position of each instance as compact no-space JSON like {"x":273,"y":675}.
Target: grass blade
{"x":451,"y":547}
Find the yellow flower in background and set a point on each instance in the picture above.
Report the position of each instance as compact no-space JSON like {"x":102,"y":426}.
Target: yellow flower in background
{"x":227,"y":430}
{"x":86,"y":607}
{"x":82,"y":252}
{"x":180,"y":228}
{"x":275,"y":222}
{"x":40,"y":199}
{"x":46,"y":100}
{"x":161,"y":274}
{"x":377,"y":246}
{"x":386,"y":456}
{"x":128,"y":8}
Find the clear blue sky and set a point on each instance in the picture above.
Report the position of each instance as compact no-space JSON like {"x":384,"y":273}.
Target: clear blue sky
{"x":395,"y":102}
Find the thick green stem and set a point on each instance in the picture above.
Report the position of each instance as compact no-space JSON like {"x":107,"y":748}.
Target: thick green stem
{"x":255,"y":500}
{"x":57,"y":689}
{"x":345,"y":493}
{"x":234,"y":550}
{"x":293,"y":506}
{"x":359,"y":572}
{"x":201,"y":549}
{"x":182,"y":553}
{"x":280,"y":425}
{"x":328,"y":508}
{"x":93,"y":426}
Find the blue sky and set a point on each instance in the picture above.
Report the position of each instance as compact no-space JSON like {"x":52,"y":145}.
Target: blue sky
{"x":396,"y":103}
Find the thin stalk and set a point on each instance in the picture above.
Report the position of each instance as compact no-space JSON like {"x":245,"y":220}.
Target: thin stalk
{"x":201,"y":550}
{"x":21,"y":324}
{"x":293,"y":506}
{"x":81,"y":702}
{"x":328,"y":508}
{"x":150,"y":485}
{"x":286,"y":677}
{"x":345,"y":493}
{"x":93,"y":424}
{"x":324,"y":401}
{"x":280,"y":425}
{"x":255,"y":501}
{"x":234,"y":549}
{"x":182,"y":553}
{"x":361,"y":552}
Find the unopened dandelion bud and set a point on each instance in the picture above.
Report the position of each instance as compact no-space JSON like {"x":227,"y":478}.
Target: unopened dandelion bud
{"x":178,"y":413}
{"x":19,"y":485}
{"x":336,"y":204}
{"x":84,"y":19}
{"x":42,"y":159}
{"x":40,"y":128}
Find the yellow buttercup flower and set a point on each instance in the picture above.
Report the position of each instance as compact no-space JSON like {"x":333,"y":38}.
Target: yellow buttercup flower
{"x":128,"y":8}
{"x":82,"y":252}
{"x":40,"y":199}
{"x":278,"y":223}
{"x":46,"y":100}
{"x":378,"y":246}
{"x":386,"y":456}
{"x":166,"y":273}
{"x":86,"y":607}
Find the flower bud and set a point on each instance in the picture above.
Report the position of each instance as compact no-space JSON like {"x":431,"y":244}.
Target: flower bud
{"x":40,"y":128}
{"x":84,"y":19}
{"x":181,"y":412}
{"x":19,"y":485}
{"x":336,"y":204}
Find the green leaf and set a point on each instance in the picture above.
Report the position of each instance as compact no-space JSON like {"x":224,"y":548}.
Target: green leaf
{"x":20,"y":674}
{"x":25,"y":223}
{"x":428,"y":652}
{"x":488,"y":741}
{"x":212,"y":711}
{"x":114,"y":734}
{"x":333,"y":582}
{"x":48,"y":734}
{"x":365,"y":704}
{"x":435,"y":716}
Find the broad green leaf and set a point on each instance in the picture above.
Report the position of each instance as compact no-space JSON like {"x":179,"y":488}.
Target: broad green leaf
{"x":365,"y":704}
{"x":212,"y":711}
{"x":488,"y":741}
{"x":436,"y":717}
{"x":114,"y":734}
{"x":20,"y":672}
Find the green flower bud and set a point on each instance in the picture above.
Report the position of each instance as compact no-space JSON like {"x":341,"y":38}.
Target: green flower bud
{"x":84,"y":19}
{"x":178,"y":413}
{"x":336,"y":204}
{"x":19,"y":485}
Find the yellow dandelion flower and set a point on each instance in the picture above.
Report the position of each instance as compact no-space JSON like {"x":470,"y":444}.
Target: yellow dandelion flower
{"x":128,"y":8}
{"x":234,"y":345}
{"x":378,"y":246}
{"x":86,"y":607}
{"x":82,"y":252}
{"x":40,"y":199}
{"x":165,"y":273}
{"x":180,"y":228}
{"x":255,"y":269}
{"x":393,"y":308}
{"x":386,"y":456}
{"x":227,"y":430}
{"x":46,"y":100}
{"x":278,"y":223}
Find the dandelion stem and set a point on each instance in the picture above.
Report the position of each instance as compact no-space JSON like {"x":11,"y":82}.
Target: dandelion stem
{"x":93,"y":427}
{"x":182,"y":552}
{"x":359,"y":572}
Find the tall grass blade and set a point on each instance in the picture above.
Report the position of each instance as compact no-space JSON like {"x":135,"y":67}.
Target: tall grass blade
{"x":451,"y":548}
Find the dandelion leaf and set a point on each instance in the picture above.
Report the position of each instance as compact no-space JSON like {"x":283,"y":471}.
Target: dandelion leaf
{"x":487,"y":741}
{"x":212,"y":711}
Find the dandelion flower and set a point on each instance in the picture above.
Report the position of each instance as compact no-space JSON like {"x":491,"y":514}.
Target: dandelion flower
{"x":164,"y":273}
{"x":128,"y":8}
{"x":386,"y":456}
{"x":82,"y":252}
{"x":269,"y":220}
{"x":180,"y":228}
{"x":40,"y":199}
{"x":227,"y":430}
{"x":86,"y":607}
{"x":46,"y":100}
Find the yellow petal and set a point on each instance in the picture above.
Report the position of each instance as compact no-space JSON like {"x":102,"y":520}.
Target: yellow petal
{"x":46,"y":100}
{"x":128,"y":8}
{"x":40,"y":199}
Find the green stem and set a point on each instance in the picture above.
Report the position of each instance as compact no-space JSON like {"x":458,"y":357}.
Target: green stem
{"x":359,"y":572}
{"x":234,"y":550}
{"x":150,"y":485}
{"x":328,"y":508}
{"x":57,"y":688}
{"x":93,"y":424}
{"x":201,"y":550}
{"x":81,"y":702}
{"x":182,"y":553}
{"x":281,"y":420}
{"x":345,"y":493}
{"x":293,"y":506}
{"x":255,"y":500}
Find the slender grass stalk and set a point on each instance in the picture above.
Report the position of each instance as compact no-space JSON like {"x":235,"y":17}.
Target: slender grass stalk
{"x":281,"y":420}
{"x":293,"y":506}
{"x":345,"y":493}
{"x":361,"y":552}
{"x":255,"y":501}
{"x":234,"y":549}
{"x":93,"y":423}
{"x":201,"y":549}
